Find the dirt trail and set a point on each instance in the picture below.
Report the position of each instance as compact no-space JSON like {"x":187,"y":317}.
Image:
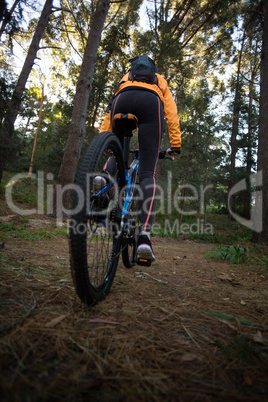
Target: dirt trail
{"x":186,"y":329}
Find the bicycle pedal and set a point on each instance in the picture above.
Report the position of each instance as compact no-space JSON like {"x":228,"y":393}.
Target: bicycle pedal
{"x":144,"y":262}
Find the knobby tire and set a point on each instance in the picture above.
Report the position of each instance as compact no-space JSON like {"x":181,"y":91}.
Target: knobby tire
{"x":94,"y":244}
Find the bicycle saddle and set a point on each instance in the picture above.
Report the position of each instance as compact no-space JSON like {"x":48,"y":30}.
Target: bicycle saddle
{"x":125,"y":122}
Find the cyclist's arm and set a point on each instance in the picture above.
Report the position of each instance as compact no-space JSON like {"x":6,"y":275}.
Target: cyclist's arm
{"x":171,"y":114}
{"x":106,"y":124}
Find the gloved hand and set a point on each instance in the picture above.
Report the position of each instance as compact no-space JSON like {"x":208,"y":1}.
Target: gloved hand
{"x":174,"y":151}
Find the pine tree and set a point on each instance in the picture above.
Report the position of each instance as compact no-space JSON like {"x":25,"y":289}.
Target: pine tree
{"x":261,"y":207}
{"x":7,"y":127}
{"x":84,"y":86}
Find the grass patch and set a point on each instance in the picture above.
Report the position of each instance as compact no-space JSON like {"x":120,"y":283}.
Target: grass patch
{"x":20,"y":232}
{"x":25,"y":191}
{"x":25,"y":219}
{"x":239,"y":349}
{"x":61,"y":231}
{"x":217,"y":229}
{"x":198,"y":237}
{"x":205,"y":237}
{"x":234,"y":254}
{"x":229,"y":317}
{"x":263,"y":261}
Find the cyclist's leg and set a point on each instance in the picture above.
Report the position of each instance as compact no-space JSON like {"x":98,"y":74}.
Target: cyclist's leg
{"x":105,"y":177}
{"x":149,"y":110}
{"x":110,"y":168}
{"x":150,"y":135}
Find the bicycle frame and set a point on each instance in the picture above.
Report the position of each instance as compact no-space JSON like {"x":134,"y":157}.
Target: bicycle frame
{"x":130,"y":179}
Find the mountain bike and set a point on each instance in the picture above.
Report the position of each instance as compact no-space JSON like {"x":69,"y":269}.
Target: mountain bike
{"x":105,"y":224}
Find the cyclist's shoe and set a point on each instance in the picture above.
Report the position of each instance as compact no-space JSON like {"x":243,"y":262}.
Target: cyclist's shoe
{"x":145,"y":255}
{"x":99,"y":182}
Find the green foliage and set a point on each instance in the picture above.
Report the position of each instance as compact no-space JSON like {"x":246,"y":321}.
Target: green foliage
{"x":2,"y":189}
{"x":24,"y":219}
{"x":8,"y":148}
{"x":242,"y":235}
{"x":22,"y":231}
{"x":229,"y":317}
{"x":239,"y":349}
{"x":24,"y":191}
{"x":51,"y":139}
{"x":263,"y":261}
{"x":215,"y":228}
{"x":195,"y":45}
{"x":234,"y":254}
{"x":15,"y":231}
{"x":205,"y":237}
{"x":233,"y":231}
{"x":6,"y":89}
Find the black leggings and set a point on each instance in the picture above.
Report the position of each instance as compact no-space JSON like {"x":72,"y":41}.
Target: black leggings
{"x":149,"y":110}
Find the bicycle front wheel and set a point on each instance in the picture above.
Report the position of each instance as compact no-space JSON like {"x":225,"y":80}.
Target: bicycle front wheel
{"x":93,"y":231}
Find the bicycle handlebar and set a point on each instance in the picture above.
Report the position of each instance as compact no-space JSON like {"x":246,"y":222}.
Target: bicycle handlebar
{"x":162,"y":154}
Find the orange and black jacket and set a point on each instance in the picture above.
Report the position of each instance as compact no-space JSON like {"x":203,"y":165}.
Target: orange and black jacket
{"x":170,"y":108}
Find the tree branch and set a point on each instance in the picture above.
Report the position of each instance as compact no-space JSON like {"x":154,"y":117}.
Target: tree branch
{"x":49,"y":47}
{"x":183,"y":15}
{"x":69,"y":40}
{"x":78,"y":28}
{"x":200,"y":26}
{"x":55,"y":9}
{"x":113,"y":18}
{"x":192,"y":21}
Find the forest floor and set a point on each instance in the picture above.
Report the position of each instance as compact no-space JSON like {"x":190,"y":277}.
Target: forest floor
{"x":188,"y":328}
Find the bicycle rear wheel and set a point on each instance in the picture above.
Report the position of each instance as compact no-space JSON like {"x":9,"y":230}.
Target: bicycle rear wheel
{"x":93,"y":231}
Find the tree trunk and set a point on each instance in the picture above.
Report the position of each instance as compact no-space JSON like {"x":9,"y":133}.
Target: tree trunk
{"x":95,"y":113}
{"x":24,"y":133}
{"x":249,"y":158}
{"x":7,"y":17}
{"x":8,"y":126}
{"x":77,"y":128}
{"x":261,"y":204}
{"x":36,"y":134}
{"x":235,"y":122}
